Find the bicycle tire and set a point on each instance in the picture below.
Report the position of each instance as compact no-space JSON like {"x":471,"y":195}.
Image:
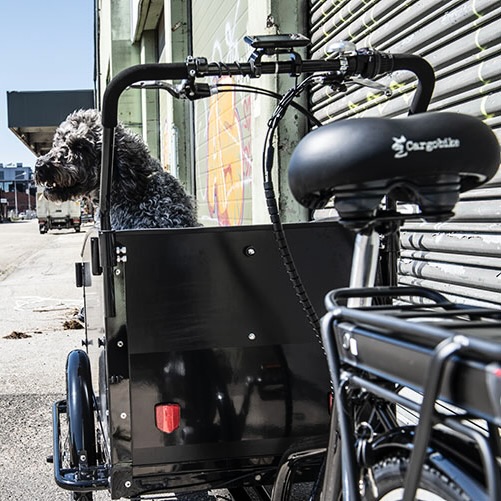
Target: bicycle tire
{"x":389,"y":477}
{"x":80,"y":411}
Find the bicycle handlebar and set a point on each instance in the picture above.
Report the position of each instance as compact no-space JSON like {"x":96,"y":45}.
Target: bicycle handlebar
{"x":366,"y":63}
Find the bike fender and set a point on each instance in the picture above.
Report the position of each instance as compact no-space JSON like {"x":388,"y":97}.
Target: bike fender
{"x":80,"y":407}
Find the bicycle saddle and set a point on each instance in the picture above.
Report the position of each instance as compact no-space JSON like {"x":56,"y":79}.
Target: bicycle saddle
{"x":427,"y":159}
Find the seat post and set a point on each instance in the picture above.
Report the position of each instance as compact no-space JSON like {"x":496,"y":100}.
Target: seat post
{"x":364,"y":264}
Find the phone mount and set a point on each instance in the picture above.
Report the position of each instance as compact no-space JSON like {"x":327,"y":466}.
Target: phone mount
{"x":270,"y":45}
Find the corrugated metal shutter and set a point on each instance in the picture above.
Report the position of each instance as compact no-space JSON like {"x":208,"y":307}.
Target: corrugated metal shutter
{"x":462,"y":40}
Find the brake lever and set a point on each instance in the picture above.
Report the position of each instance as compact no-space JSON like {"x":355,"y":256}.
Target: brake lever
{"x":157,"y":84}
{"x":342,"y":50}
{"x":366,"y":82}
{"x":187,"y":89}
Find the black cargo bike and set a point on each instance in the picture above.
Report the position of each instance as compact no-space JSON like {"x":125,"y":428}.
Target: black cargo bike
{"x":203,"y":367}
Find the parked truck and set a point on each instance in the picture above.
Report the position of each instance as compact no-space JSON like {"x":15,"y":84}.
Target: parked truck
{"x":58,"y":215}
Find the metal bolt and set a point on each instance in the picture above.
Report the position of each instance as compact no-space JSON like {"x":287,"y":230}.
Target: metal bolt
{"x":120,"y":344}
{"x":462,"y":340}
{"x":83,"y":457}
{"x":250,"y":251}
{"x":117,"y":272}
{"x":123,"y":415}
{"x":127,"y":484}
{"x":257,"y":478}
{"x":252,"y":336}
{"x":346,"y":341}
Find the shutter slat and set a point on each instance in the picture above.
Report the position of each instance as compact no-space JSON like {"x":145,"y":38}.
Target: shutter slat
{"x":452,"y":273}
{"x":463,"y":243}
{"x":479,"y":260}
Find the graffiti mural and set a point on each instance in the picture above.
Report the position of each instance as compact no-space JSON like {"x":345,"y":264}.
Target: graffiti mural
{"x":229,"y":165}
{"x":224,"y":122}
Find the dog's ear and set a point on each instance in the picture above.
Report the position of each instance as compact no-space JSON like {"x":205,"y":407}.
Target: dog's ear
{"x":81,"y":138}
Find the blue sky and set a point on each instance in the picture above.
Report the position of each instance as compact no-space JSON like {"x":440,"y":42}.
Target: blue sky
{"x":46,"y":45}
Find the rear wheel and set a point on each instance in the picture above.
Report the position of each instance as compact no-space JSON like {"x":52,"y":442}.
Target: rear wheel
{"x":389,"y":477}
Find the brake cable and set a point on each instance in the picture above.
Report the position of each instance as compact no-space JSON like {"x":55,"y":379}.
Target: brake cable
{"x":272,"y":204}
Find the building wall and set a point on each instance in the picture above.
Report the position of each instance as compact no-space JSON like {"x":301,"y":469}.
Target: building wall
{"x":133,"y":32}
{"x":16,"y":189}
{"x":117,"y":51}
{"x":174,"y":34}
{"x":104,"y":39}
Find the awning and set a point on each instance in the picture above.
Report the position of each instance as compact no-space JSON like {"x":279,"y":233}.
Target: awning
{"x":34,"y":116}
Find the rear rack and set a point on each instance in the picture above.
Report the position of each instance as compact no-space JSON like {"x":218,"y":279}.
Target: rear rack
{"x":400,"y":342}
{"x":444,"y":351}
{"x":425,"y":323}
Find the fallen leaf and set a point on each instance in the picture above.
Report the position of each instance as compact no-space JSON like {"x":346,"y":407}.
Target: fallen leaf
{"x":17,"y":335}
{"x":72,"y":324}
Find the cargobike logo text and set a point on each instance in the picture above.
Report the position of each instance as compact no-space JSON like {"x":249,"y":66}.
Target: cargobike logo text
{"x":403,"y":146}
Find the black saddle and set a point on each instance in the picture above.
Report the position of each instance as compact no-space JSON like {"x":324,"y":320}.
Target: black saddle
{"x":426,"y":159}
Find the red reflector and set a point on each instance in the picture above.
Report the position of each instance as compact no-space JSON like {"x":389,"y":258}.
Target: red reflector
{"x":167,"y":417}
{"x":497,"y":372}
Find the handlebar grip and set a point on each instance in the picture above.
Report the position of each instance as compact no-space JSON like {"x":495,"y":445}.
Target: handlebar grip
{"x":162,"y":71}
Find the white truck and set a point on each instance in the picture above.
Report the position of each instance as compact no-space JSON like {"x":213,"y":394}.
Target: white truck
{"x":58,"y":215}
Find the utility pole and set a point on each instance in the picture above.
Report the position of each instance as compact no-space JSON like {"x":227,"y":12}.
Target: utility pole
{"x":15,"y":198}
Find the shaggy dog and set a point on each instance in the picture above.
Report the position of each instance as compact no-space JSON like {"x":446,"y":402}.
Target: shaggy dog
{"x":143,"y":195}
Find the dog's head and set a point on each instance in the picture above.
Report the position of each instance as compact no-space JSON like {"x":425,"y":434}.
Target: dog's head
{"x":71,"y":168}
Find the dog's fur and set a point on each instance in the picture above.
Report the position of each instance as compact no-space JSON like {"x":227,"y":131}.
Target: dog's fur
{"x":143,"y":195}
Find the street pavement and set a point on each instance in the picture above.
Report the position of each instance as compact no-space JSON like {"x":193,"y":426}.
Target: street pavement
{"x":37,"y":296}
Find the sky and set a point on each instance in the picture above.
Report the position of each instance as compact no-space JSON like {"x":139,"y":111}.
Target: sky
{"x":46,"y":45}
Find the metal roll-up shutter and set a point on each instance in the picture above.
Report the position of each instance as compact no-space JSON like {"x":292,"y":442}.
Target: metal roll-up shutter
{"x":462,"y":41}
